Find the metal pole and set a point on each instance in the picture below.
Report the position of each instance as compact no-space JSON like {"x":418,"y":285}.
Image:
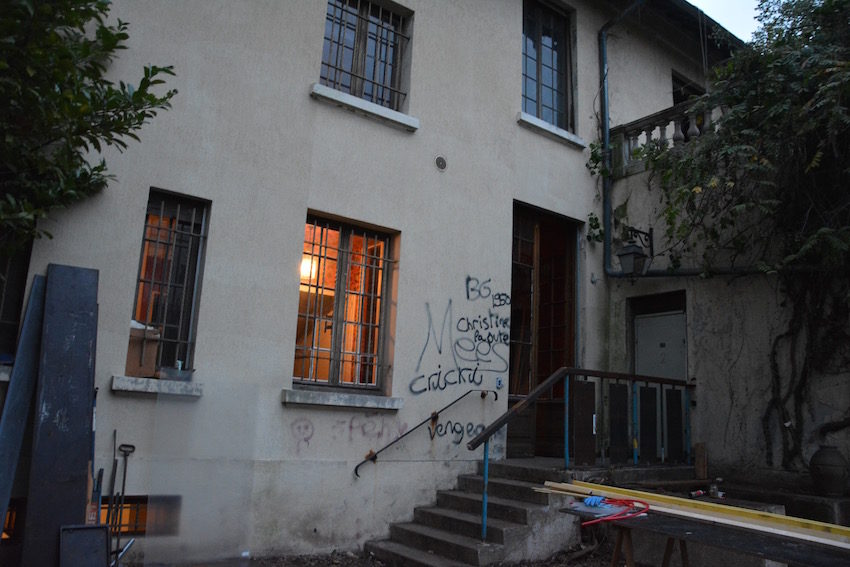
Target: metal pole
{"x":567,"y":421}
{"x":635,"y":422}
{"x":484,"y":491}
{"x":687,"y":425}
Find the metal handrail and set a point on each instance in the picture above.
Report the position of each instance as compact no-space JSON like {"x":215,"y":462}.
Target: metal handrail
{"x":503,"y":419}
{"x":547,"y":384}
{"x":560,"y":374}
{"x":435,"y":415}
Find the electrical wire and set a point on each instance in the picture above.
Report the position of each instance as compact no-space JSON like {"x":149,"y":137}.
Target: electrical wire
{"x":631,"y":508}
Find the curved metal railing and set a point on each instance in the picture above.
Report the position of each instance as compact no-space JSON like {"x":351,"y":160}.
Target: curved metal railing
{"x":433,"y":418}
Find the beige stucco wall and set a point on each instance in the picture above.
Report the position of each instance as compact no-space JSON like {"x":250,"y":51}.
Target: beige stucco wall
{"x":732,"y":321}
{"x":244,"y":133}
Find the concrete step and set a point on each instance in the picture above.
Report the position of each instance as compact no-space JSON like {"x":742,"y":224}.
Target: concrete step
{"x":537,"y":470}
{"x":514,"y":511}
{"x":626,"y":475}
{"x":504,"y":488}
{"x":468,"y":524}
{"x":446,"y":544}
{"x":395,"y":554}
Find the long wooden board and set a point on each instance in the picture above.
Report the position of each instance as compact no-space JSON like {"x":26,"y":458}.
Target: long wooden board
{"x":687,"y":503}
{"x":787,"y":526}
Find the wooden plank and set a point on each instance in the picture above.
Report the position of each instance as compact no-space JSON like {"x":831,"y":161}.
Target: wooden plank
{"x":583,"y":407}
{"x":62,"y":425}
{"x":648,"y":424}
{"x":16,"y":411}
{"x":618,"y":407}
{"x":721,"y":512}
{"x":700,"y":461}
{"x":715,"y":519}
{"x":784,"y":549}
{"x":675,"y":438}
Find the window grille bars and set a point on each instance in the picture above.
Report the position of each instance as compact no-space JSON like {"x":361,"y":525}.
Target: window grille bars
{"x":547,"y":65}
{"x":168,"y":281}
{"x":341,"y":315}
{"x":362,"y":51}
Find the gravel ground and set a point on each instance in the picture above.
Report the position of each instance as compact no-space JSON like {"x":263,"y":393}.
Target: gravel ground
{"x":585,"y":555}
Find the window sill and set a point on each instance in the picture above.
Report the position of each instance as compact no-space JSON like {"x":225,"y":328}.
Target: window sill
{"x":364,"y":107}
{"x":154,"y":386}
{"x":339,"y":400}
{"x":542,"y":127}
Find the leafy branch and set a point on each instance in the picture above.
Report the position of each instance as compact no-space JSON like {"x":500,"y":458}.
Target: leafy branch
{"x":60,"y":108}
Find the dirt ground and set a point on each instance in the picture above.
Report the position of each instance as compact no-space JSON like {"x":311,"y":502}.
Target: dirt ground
{"x":585,"y":555}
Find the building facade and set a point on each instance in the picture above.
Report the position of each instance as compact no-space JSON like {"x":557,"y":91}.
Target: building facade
{"x":354,"y":213}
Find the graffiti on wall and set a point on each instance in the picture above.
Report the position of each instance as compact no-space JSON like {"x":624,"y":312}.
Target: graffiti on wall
{"x":468,"y":345}
{"x":455,"y":430}
{"x":371,"y":427}
{"x":302,"y":431}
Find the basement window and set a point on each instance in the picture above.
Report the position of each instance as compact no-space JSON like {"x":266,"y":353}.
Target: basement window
{"x":13,"y":522}
{"x":141,"y":515}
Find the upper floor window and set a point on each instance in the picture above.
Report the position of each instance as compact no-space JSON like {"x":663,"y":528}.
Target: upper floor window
{"x":341,"y":310}
{"x":162,"y":333}
{"x":547,"y":70}
{"x":364,"y":50}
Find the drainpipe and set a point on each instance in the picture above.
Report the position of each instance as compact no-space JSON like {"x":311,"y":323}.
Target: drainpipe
{"x":608,"y":181}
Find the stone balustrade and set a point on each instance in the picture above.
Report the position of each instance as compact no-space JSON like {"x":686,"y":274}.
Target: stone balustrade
{"x":674,"y":125}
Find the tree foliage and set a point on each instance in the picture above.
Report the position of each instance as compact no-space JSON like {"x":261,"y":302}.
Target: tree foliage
{"x":768,"y":185}
{"x":59,"y":110}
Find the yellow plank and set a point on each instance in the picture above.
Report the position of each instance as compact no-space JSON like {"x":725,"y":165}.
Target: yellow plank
{"x":765,"y":518}
{"x":802,"y":534}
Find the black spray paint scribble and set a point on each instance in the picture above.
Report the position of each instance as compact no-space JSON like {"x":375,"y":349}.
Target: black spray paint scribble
{"x":302,"y":431}
{"x":456,"y":430}
{"x":466,"y":347}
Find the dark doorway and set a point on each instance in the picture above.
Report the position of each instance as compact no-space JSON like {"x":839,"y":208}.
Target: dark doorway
{"x":542,"y":326}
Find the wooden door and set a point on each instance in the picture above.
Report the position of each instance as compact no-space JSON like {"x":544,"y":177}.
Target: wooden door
{"x":542,"y":326}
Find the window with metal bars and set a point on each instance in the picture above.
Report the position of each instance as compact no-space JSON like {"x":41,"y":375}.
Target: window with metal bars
{"x":363,"y":50}
{"x":162,"y":332}
{"x":341,"y":310}
{"x":547,"y":65}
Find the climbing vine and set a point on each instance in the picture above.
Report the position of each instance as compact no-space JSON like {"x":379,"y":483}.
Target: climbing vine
{"x":767,"y":186}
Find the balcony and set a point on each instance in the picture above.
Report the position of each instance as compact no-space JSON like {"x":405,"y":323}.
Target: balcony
{"x":671,"y":126}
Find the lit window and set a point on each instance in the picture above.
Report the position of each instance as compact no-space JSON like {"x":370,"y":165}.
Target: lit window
{"x":139,"y":515}
{"x":162,"y":331}
{"x":364,"y":49}
{"x":341,"y":311}
{"x":547,"y":75}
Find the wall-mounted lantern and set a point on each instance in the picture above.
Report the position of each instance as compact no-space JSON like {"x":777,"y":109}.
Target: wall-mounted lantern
{"x":634,"y":261}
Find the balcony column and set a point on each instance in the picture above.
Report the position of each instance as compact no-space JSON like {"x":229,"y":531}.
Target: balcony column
{"x":633,"y":143}
{"x":678,"y":135}
{"x":662,"y":134}
{"x":693,"y":129}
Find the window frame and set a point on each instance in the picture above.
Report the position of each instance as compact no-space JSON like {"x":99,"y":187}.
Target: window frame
{"x":382,"y":363}
{"x":162,"y":201}
{"x":334,"y":70}
{"x":537,"y":9}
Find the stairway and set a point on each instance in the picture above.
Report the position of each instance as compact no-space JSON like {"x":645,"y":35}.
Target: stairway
{"x":521,"y":523}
